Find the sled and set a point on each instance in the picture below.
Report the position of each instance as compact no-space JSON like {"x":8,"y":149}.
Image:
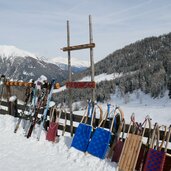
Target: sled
{"x":167,"y":163}
{"x":65,"y":120}
{"x":53,"y":124}
{"x":100,"y":141}
{"x":131,"y":149}
{"x":144,"y":149}
{"x":83,"y":132}
{"x":117,"y":144}
{"x":156,"y":158}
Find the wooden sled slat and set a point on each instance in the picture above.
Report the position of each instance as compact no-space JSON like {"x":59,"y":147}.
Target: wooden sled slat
{"x":131,"y":149}
{"x":130,"y":152}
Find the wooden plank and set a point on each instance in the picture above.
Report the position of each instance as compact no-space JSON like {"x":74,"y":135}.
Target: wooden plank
{"x":67,"y":129}
{"x":3,"y":112}
{"x":78,"y":47}
{"x":25,"y":84}
{"x":91,"y":84}
{"x":77,"y":118}
{"x":130,"y":152}
{"x":136,"y":150}
{"x":16,"y":83}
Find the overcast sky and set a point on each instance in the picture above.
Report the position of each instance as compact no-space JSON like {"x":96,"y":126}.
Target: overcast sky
{"x":39,"y":26}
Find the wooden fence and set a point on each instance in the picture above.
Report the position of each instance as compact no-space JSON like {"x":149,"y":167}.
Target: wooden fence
{"x":76,"y":118}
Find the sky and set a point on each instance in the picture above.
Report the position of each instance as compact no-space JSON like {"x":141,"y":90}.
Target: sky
{"x":39,"y":26}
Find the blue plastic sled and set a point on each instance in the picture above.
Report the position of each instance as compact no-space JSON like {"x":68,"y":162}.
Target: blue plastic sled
{"x":82,"y":137}
{"x":99,"y":143}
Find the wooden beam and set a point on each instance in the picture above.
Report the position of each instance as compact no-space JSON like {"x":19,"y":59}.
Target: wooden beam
{"x":78,"y":47}
{"x":25,"y":84}
{"x":81,"y":84}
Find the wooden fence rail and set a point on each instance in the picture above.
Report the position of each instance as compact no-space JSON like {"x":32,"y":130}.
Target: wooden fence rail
{"x":76,"y":118}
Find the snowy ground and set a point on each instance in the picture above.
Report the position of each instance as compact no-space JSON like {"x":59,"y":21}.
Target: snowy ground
{"x":159,"y":109}
{"x":18,"y":153}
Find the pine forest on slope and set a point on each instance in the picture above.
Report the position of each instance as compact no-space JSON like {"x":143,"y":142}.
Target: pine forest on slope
{"x":144,"y":65}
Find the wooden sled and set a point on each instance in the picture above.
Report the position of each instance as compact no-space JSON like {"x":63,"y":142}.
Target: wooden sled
{"x":156,"y":158}
{"x":167,"y":163}
{"x":131,"y":149}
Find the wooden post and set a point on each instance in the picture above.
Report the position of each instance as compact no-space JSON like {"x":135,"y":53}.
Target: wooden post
{"x":8,"y":95}
{"x":71,"y":84}
{"x":69,"y":79}
{"x":91,"y":57}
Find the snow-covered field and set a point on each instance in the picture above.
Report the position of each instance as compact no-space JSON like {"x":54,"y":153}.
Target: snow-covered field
{"x":18,"y":153}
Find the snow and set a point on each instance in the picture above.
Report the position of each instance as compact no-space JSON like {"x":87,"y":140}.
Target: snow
{"x":12,"y":51}
{"x":142,"y":104}
{"x":19,"y":153}
{"x":22,"y":154}
{"x":26,"y":73}
{"x":74,"y":61}
{"x":12,"y":98}
{"x":103,"y":77}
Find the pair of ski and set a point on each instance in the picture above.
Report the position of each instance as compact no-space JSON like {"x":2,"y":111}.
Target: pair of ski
{"x":22,"y":114}
{"x":38,"y":102}
{"x":34,"y":111}
{"x":96,"y":145}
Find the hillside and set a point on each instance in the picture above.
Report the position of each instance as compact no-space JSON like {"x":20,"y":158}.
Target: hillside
{"x":77,"y":65}
{"x":21,"y":65}
{"x":144,"y":65}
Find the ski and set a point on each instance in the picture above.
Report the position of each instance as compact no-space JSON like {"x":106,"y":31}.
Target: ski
{"x":39,"y":105}
{"x":25,"y":106}
{"x":32,"y":109}
{"x":46,"y":109}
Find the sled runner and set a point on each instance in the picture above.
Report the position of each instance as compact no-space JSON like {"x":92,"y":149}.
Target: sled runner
{"x":131,"y":148}
{"x":117,"y":143}
{"x":83,"y":131}
{"x":99,"y":143}
{"x":156,"y":158}
{"x":143,"y":150}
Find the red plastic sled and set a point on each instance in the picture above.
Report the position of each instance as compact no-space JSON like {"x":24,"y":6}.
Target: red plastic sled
{"x":53,"y":126}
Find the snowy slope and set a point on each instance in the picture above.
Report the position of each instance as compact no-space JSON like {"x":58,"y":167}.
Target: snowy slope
{"x":74,"y":61}
{"x":18,"y":153}
{"x":18,"y":64}
{"x":12,"y":51}
{"x":138,"y":102}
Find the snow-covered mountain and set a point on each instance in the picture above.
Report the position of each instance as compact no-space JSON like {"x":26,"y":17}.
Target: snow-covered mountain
{"x":12,"y":52}
{"x":77,"y":65}
{"x":22,"y":65}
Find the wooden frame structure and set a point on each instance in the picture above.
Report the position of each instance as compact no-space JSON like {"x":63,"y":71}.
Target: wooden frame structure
{"x":71,"y":84}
